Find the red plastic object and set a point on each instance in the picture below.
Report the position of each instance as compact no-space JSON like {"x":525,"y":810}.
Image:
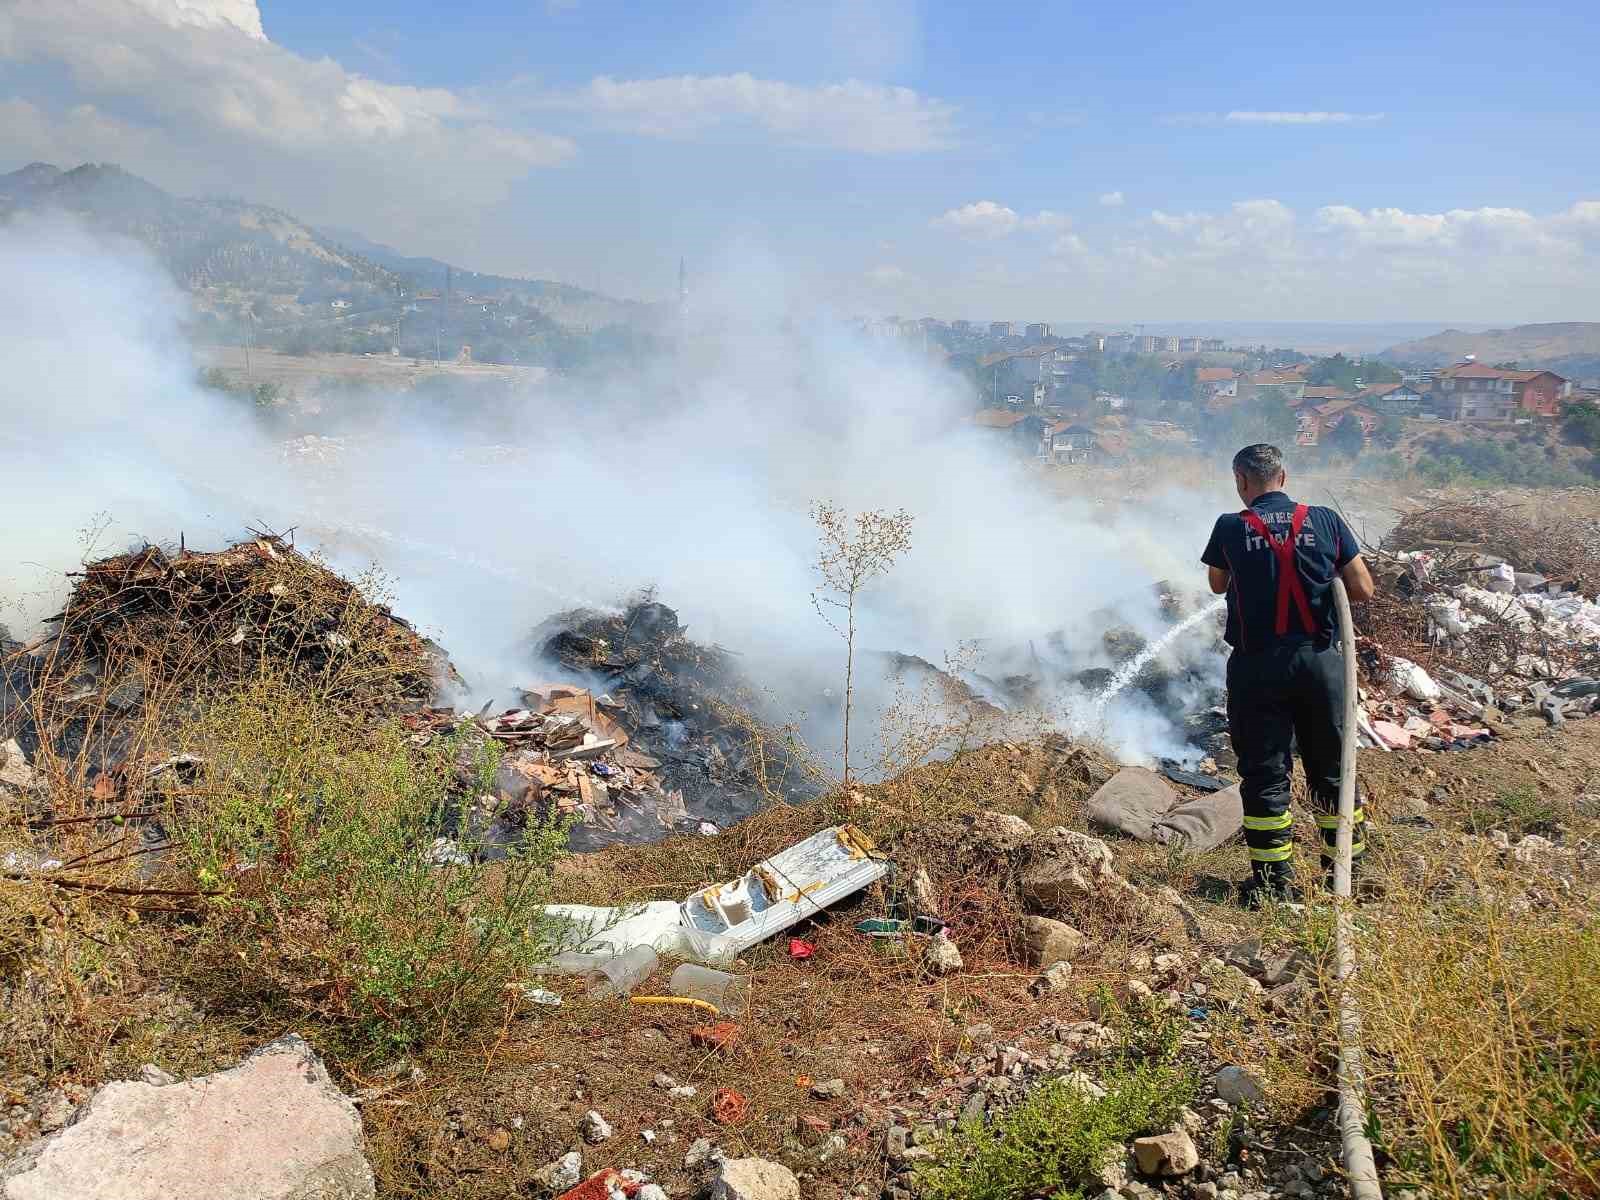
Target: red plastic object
{"x":722,"y":1037}
{"x":598,"y":1187}
{"x":800,"y":948}
{"x":729,"y":1107}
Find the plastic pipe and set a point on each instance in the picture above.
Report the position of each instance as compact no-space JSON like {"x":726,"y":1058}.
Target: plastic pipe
{"x":1359,"y":1163}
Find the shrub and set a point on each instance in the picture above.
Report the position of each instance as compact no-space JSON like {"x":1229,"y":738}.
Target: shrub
{"x":318,"y":837}
{"x":1057,"y":1138}
{"x":1055,"y":1141}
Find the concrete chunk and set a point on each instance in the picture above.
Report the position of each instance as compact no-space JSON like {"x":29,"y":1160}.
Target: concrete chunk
{"x":273,"y":1127}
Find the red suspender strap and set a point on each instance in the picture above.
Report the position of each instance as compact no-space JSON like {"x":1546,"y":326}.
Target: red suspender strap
{"x":1289,"y":584}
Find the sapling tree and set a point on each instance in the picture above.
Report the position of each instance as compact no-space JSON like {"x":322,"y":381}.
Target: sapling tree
{"x":851,"y":551}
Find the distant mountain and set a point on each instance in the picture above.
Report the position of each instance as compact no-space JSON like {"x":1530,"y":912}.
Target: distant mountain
{"x":232,"y":255}
{"x":568,"y":304}
{"x":224,"y":251}
{"x":1571,"y":348}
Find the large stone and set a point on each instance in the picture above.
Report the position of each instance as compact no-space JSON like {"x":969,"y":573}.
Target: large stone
{"x":1049,"y":941}
{"x":996,"y":834}
{"x":15,"y":773}
{"x":1235,"y":1085}
{"x":1065,"y":868}
{"x":564,"y":1173}
{"x":755,"y":1179}
{"x":1171,"y":1153}
{"x":942,"y":957}
{"x":1056,"y":979}
{"x":273,"y":1127}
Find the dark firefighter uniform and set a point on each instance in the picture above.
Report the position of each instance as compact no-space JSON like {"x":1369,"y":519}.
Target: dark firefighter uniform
{"x":1285,"y":675}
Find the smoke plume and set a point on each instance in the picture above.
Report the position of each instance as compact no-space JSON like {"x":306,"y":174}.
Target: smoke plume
{"x":692,"y":474}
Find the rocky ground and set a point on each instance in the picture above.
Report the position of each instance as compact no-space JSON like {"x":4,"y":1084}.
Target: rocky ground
{"x":1070,"y":954}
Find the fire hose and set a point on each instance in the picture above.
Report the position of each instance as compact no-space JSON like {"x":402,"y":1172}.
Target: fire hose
{"x":1359,"y":1164}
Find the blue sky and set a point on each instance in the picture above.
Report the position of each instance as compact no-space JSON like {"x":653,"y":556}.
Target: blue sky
{"x":1143,"y":162}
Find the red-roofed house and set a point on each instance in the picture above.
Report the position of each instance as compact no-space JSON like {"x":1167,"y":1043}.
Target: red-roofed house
{"x":1068,"y":442}
{"x":1292,"y":386}
{"x":1216,"y":386}
{"x":1474,"y":392}
{"x":1541,"y":393}
{"x":1315,"y":420}
{"x":1400,"y":399}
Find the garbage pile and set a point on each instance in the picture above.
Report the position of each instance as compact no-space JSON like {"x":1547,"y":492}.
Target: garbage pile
{"x":1460,"y":636}
{"x":144,"y":630}
{"x":567,"y":756}
{"x":677,"y":703}
{"x":194,"y":617}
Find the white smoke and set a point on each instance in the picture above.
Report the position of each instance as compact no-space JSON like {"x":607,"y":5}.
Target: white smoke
{"x":693,"y":475}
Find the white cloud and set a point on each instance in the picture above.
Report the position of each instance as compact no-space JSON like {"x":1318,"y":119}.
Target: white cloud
{"x":242,"y":15}
{"x":1069,"y":246}
{"x":1249,"y":117}
{"x":1271,"y":117}
{"x":202,"y":100}
{"x":1476,"y":230}
{"x":865,"y":117}
{"x":1111,"y":199}
{"x":989,"y":219}
{"x":1261,"y":258}
{"x":981,"y":219}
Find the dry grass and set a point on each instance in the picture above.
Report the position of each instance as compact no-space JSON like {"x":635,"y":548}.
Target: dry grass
{"x":1476,"y":980}
{"x":1478,"y":989}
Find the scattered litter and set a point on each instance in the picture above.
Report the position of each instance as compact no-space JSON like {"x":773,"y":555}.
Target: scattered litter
{"x":677,"y":1002}
{"x":620,"y":975}
{"x":541,"y":996}
{"x":599,"y":1186}
{"x":719,"y":922}
{"x":1139,"y":803}
{"x":1394,"y":736}
{"x":726,"y":919}
{"x":729,"y":1107}
{"x":1412,"y":680}
{"x":1205,"y":783}
{"x":801,"y":949}
{"x":657,"y":925}
{"x":721,"y":1037}
{"x":726,"y":994}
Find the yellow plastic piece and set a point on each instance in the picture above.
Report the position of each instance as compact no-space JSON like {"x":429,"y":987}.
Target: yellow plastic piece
{"x":857,"y":843}
{"x":677,"y":1002}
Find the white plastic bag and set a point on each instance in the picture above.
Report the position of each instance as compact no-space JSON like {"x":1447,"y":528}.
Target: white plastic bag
{"x":1412,"y":680}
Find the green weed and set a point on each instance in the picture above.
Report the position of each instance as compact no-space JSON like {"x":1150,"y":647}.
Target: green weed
{"x":1519,"y":811}
{"x":318,"y":840}
{"x":1055,"y":1140}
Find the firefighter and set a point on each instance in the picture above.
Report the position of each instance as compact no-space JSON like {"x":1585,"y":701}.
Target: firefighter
{"x":1276,"y":562}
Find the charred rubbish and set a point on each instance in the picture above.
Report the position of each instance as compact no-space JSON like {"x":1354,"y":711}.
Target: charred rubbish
{"x":682,"y":707}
